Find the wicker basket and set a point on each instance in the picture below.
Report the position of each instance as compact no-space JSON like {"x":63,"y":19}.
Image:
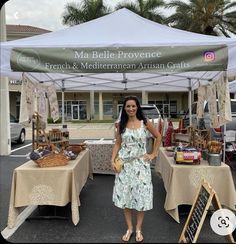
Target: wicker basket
{"x":52,"y":159}
{"x":76,"y":148}
{"x":83,"y":145}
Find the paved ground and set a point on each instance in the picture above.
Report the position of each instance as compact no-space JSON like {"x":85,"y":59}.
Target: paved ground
{"x":100,"y":221}
{"x":83,"y":131}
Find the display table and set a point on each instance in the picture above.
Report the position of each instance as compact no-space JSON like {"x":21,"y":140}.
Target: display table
{"x":101,"y":151}
{"x":57,"y":186}
{"x":181,"y":182}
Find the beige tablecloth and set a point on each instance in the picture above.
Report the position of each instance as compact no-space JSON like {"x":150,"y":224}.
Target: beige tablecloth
{"x":101,"y":151}
{"x":57,"y":186}
{"x":182,"y":182}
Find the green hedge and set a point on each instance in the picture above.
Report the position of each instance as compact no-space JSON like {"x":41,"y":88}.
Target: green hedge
{"x":50,"y":121}
{"x":93,"y":121}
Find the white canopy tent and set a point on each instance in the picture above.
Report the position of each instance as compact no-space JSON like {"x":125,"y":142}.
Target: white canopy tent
{"x":122,"y":29}
{"x":106,"y":54}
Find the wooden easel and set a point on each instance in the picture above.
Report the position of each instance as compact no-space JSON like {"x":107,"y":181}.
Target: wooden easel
{"x":206,"y":195}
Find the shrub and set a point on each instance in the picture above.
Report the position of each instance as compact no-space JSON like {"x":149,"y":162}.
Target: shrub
{"x":50,"y":121}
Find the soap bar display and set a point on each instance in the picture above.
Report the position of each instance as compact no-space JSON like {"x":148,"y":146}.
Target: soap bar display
{"x":187,"y":155}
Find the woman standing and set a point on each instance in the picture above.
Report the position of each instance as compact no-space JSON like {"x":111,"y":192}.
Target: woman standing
{"x":133,"y":185}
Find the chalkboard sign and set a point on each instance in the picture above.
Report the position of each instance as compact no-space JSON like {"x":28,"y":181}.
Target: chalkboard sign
{"x":205,"y":196}
{"x":197,"y":214}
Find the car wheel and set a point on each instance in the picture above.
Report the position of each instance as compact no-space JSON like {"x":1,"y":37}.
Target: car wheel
{"x":21,"y":139}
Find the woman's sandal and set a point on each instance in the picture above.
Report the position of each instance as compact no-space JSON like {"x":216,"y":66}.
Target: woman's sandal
{"x":139,"y":236}
{"x":126,"y":237}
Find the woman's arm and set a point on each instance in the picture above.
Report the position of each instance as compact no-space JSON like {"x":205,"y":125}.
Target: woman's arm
{"x":157,"y":140}
{"x":116,"y":147}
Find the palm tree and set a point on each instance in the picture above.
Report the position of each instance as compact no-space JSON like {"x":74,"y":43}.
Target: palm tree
{"x":204,"y":16}
{"x":85,"y":11}
{"x":145,"y":8}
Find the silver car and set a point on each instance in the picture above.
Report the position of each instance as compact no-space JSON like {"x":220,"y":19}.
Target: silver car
{"x":17,"y":130}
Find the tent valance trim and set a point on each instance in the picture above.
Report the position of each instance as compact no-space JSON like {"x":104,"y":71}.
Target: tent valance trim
{"x":125,"y":59}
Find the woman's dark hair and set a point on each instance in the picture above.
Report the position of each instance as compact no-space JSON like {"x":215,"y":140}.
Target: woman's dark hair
{"x":124,"y":117}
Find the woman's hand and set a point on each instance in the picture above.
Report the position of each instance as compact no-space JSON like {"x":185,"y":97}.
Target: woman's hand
{"x":149,"y":157}
{"x":113,"y":166}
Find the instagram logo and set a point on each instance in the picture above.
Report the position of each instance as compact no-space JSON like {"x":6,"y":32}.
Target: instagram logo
{"x":209,"y":56}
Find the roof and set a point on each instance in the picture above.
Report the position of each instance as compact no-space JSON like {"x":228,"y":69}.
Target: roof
{"x":25,"y":28}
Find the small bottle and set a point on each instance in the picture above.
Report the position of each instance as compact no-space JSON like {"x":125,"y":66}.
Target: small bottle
{"x":180,"y":145}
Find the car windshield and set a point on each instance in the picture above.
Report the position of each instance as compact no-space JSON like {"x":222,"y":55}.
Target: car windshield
{"x":233,"y":106}
{"x":151,"y":113}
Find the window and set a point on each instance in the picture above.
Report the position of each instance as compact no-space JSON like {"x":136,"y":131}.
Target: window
{"x":68,"y":109}
{"x":233,"y":106}
{"x":173,"y":109}
{"x":194,"y":108}
{"x":107,"y":107}
{"x":96,"y":108}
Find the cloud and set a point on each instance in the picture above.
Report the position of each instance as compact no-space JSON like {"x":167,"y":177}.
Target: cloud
{"x":44,"y":14}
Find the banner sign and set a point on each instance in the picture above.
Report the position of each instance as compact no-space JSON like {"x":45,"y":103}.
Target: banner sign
{"x":120,"y":59}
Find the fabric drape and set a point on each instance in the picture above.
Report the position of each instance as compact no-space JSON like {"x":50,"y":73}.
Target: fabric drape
{"x":202,"y":97}
{"x":212,"y":105}
{"x":42,"y":102}
{"x":223,"y":101}
{"x":52,"y":97}
{"x":27,"y":103}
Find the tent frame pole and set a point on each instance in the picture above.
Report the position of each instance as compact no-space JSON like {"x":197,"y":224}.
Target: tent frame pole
{"x":62,"y":102}
{"x":190,"y":101}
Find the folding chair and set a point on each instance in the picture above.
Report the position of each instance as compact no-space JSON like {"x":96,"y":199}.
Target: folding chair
{"x":230,"y":148}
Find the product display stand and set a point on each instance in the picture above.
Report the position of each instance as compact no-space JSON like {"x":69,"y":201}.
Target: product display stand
{"x":55,"y":137}
{"x":200,"y":138}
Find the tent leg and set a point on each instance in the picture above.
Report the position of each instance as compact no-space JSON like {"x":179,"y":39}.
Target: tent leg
{"x":190,"y":102}
{"x":224,"y":147}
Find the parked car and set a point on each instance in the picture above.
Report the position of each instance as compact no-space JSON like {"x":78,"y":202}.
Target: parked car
{"x":215,"y":132}
{"x":151,"y":112}
{"x":17,"y":130}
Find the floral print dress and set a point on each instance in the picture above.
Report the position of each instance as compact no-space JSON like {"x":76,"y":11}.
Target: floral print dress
{"x":133,"y":187}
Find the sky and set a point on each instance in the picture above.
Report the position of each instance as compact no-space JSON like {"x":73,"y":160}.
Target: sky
{"x":40,"y":13}
{"x":46,"y":14}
